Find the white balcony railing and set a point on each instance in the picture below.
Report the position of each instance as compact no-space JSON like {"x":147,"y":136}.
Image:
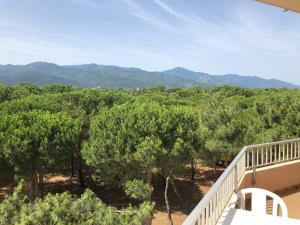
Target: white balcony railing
{"x":211,"y":207}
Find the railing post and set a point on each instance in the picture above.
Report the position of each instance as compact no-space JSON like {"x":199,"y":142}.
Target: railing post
{"x":298,"y":148}
{"x":235,"y":178}
{"x":254,"y":156}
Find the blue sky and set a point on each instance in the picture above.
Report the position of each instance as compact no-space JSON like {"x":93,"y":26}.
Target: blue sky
{"x":215,"y":36}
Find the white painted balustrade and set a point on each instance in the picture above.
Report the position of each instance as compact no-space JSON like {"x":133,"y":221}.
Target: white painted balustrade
{"x":211,"y":207}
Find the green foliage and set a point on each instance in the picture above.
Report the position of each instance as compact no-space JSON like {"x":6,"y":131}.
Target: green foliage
{"x":158,"y":88}
{"x":117,"y":136}
{"x":67,"y":209}
{"x":57,"y":88}
{"x":137,"y":189}
{"x":37,"y":138}
{"x":125,"y":136}
{"x":8,"y":93}
{"x":12,"y":206}
{"x":136,"y":138}
{"x":71,"y":102}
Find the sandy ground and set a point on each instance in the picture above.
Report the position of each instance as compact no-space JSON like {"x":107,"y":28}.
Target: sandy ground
{"x":161,"y":218}
{"x":191,"y":191}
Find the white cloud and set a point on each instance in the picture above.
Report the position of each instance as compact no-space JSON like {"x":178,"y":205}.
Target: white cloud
{"x":135,"y":10}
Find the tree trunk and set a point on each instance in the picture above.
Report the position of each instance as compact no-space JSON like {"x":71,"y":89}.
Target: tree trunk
{"x":33,"y":184}
{"x":72,"y":165}
{"x":83,"y":136}
{"x":167,"y":202}
{"x":163,"y":180}
{"x":177,"y":192}
{"x":149,"y":179}
{"x":193,"y":171}
{"x":32,"y":194}
{"x":80,"y":172}
{"x":41,"y":182}
{"x":148,"y":221}
{"x":215,"y":172}
{"x":36,"y":183}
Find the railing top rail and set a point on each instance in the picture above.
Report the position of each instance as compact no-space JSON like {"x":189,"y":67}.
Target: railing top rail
{"x":193,"y":217}
{"x":273,"y":143}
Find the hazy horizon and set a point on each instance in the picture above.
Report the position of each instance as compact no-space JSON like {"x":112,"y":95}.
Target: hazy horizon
{"x":232,"y":37}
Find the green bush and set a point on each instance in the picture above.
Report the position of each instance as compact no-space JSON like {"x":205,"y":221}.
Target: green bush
{"x":137,"y":189}
{"x":66,"y":209}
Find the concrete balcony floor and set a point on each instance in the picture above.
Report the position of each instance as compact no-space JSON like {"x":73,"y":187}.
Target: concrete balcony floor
{"x":292,"y":200}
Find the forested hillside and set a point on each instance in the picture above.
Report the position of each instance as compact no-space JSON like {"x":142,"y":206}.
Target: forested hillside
{"x":106,"y":76}
{"x":125,"y":139}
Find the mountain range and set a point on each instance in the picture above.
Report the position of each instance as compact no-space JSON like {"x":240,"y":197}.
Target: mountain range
{"x":106,"y":76}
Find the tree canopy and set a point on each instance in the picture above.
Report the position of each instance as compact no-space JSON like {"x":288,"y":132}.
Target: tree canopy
{"x":35,"y":140}
{"x":122,"y":138}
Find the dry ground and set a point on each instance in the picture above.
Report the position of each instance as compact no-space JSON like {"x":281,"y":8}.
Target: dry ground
{"x":191,"y":192}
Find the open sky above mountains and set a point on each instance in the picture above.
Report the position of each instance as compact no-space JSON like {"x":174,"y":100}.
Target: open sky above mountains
{"x":219,"y":37}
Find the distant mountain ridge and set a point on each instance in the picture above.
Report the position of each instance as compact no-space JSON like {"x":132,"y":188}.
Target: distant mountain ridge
{"x":229,"y":79}
{"x":108,"y":76}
